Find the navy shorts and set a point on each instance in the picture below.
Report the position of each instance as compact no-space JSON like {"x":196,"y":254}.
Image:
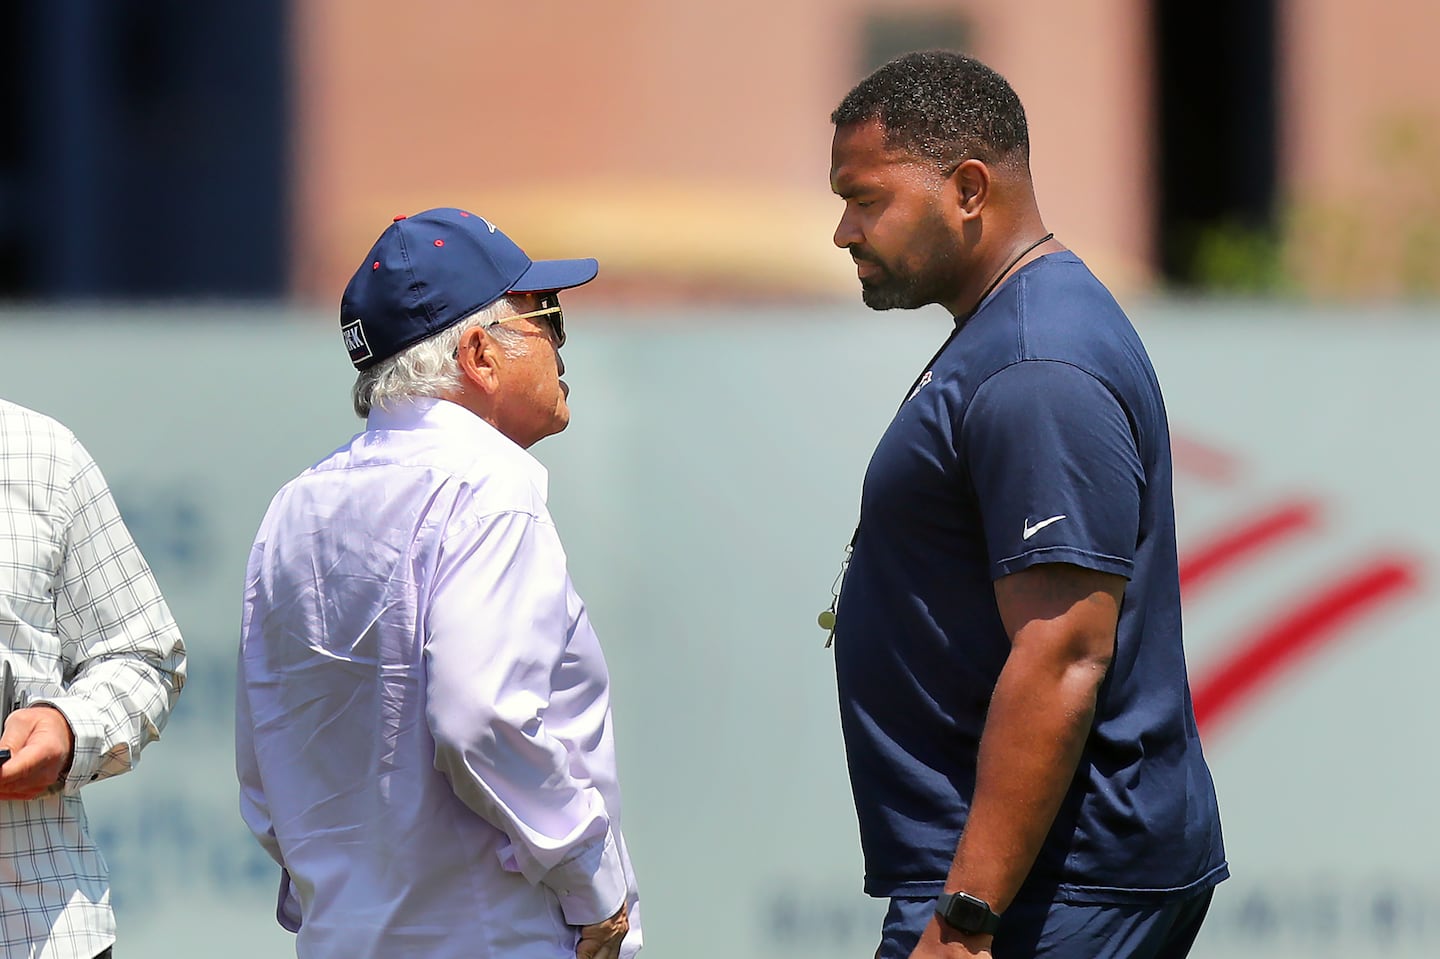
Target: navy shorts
{"x":1064,"y":930}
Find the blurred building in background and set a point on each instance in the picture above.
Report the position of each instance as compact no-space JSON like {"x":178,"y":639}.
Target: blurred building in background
{"x":145,"y":149}
{"x":252,"y":152}
{"x":171,"y":149}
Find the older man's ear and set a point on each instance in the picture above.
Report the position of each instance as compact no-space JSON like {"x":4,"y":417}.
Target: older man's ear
{"x":480,"y":359}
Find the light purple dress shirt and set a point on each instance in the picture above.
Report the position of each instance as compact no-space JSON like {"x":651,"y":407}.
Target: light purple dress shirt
{"x":423,"y":728}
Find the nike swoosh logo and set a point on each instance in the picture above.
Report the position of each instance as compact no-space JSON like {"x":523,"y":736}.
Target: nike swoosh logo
{"x":1032,"y":530}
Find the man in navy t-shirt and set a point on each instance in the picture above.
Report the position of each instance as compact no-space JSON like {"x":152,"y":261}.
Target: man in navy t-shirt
{"x":1017,"y":719}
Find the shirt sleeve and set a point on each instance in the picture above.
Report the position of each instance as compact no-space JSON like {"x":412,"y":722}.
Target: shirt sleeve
{"x":254,"y":808}
{"x":498,"y":628}
{"x":1055,"y":470}
{"x":122,"y":654}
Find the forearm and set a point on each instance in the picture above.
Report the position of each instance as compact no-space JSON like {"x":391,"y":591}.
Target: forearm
{"x":518,"y":779}
{"x":115,"y":707}
{"x":491,"y":723}
{"x":501,"y":628}
{"x":1040,"y":715}
{"x":125,"y":659}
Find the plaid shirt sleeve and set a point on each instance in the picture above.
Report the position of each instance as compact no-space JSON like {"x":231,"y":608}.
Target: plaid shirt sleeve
{"x":122,"y":654}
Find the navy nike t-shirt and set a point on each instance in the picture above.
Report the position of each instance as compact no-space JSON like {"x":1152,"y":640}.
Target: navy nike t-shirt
{"x":1038,"y":435}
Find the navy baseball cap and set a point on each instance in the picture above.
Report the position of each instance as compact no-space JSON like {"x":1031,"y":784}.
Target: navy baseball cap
{"x":429,"y":271}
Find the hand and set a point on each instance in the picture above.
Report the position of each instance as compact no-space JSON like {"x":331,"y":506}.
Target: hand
{"x":40,"y":744}
{"x":939,"y":941}
{"x":602,"y":940}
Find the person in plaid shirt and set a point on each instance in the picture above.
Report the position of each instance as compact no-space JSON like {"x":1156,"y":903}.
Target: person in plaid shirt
{"x":98,"y":664}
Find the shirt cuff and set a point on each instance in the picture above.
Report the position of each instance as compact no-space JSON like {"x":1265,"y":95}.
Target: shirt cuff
{"x":87,"y":735}
{"x":591,"y":886}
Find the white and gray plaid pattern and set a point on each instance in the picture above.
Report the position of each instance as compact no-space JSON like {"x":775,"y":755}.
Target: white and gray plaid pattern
{"x":84,"y":627}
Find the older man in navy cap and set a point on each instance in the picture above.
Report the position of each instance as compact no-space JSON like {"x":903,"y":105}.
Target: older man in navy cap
{"x":423,"y":730}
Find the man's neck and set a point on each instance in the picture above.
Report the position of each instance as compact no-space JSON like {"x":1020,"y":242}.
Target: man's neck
{"x":1020,"y":249}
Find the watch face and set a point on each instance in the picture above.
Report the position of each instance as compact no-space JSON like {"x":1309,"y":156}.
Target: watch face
{"x":967,"y":914}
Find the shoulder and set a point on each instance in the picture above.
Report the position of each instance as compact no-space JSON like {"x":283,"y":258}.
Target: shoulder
{"x":1058,"y":310}
{"x":1055,"y":310}
{"x":1033,"y":399}
{"x":38,"y":448}
{"x":19,"y":423}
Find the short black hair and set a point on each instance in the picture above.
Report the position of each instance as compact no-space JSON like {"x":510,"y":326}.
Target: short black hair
{"x":942,"y":105}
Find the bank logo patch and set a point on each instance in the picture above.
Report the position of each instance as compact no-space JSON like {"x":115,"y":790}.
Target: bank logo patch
{"x":354,"y":336}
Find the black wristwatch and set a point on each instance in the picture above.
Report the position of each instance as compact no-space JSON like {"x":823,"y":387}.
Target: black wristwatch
{"x":965,"y":913}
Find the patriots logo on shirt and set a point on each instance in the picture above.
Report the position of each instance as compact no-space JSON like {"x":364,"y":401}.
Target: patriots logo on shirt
{"x":925,"y":378}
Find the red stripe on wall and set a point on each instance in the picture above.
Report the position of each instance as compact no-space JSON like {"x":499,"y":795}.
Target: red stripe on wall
{"x":1239,"y":543}
{"x":1260,"y":660}
{"x":1202,"y":461}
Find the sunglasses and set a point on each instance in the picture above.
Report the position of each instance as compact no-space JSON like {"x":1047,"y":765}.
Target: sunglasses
{"x":553,"y":315}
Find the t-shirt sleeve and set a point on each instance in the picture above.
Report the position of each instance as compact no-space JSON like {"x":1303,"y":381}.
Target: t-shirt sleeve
{"x":1054,"y":468}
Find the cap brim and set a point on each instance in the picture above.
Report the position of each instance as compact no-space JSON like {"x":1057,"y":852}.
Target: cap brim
{"x":546,"y":275}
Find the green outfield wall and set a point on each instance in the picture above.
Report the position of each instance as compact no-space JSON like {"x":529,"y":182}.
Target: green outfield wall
{"x":704,"y":491}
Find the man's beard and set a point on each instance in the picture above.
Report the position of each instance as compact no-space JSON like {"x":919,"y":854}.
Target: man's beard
{"x":901,"y":291}
{"x":892,"y":292}
{"x":916,"y":284}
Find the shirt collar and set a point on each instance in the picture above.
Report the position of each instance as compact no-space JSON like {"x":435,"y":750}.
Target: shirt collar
{"x":430,"y":413}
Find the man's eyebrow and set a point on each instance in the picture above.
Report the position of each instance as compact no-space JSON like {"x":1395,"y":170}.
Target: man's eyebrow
{"x":847,"y":186}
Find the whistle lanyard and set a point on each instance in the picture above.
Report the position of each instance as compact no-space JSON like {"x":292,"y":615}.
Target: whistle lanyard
{"x":826,"y":619}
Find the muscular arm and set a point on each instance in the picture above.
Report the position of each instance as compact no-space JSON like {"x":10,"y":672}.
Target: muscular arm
{"x":1061,"y":620}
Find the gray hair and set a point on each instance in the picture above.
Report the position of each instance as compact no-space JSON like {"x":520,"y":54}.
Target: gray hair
{"x":430,"y":367}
